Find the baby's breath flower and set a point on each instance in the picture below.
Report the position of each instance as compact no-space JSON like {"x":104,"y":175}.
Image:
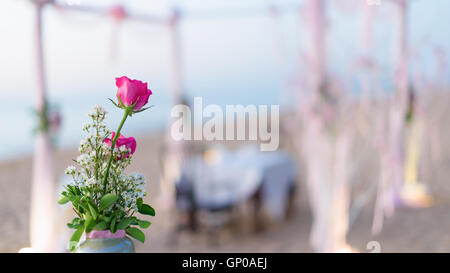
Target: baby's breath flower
{"x":86,"y":127}
{"x":91,"y":181}
{"x":123,"y":149}
{"x":84,"y":142}
{"x":97,"y":111}
{"x":83,"y":160}
{"x":70,"y":170}
{"x":93,"y":158}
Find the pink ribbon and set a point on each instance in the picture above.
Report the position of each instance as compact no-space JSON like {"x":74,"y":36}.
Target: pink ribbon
{"x":97,"y":234}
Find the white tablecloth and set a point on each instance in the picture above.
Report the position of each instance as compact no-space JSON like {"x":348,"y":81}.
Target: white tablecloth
{"x":236,"y":175}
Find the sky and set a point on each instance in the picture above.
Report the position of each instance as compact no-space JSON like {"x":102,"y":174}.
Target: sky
{"x":227,"y":59}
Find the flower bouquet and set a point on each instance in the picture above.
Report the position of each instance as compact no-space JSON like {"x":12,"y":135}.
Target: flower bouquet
{"x":104,"y":198}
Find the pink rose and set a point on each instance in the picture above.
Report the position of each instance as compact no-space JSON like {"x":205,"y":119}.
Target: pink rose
{"x":131,"y":91}
{"x":128,"y":142}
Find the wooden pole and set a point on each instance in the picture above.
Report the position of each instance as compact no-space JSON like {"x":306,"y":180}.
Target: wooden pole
{"x":318,"y":46}
{"x":175,"y":41}
{"x":318,"y":191}
{"x":400,"y":104}
{"x":402,"y":56}
{"x":43,"y":191}
{"x":174,"y":154}
{"x":366,"y":45}
{"x":328,"y":191}
{"x":393,"y":163}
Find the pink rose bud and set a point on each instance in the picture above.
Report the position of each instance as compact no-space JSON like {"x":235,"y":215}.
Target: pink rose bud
{"x":132,"y":91}
{"x":128,"y":142}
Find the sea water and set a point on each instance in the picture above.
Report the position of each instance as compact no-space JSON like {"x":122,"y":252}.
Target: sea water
{"x":17,"y":119}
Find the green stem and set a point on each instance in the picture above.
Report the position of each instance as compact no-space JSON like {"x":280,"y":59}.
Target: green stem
{"x":113,"y":143}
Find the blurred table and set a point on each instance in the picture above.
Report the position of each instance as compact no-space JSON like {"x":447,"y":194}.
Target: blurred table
{"x":223,"y":178}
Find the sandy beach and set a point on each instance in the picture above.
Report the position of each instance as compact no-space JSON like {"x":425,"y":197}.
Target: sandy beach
{"x":409,"y":230}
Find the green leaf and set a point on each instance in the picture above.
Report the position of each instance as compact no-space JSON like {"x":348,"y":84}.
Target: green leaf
{"x":93,"y":211}
{"x":89,"y":223}
{"x":139,"y":202}
{"x":75,"y":238}
{"x":144,"y":224}
{"x":136,"y":234}
{"x":73,"y":190}
{"x":101,"y":226}
{"x":125,"y":223}
{"x":75,"y":223}
{"x":112,"y":226}
{"x":63,"y":200}
{"x":134,"y":220}
{"x":107,"y":200}
{"x":120,"y":214}
{"x":146,"y":209}
{"x":104,"y":218}
{"x":74,"y":199}
{"x":84,"y":203}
